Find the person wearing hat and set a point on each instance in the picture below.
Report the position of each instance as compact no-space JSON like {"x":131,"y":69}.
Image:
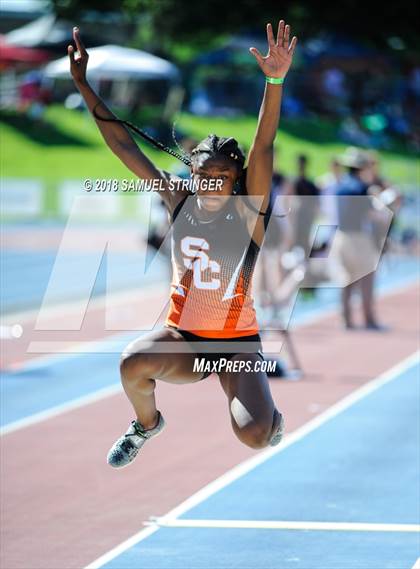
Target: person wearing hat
{"x":353,"y":247}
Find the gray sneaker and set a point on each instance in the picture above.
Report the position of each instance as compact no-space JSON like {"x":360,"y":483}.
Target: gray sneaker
{"x":125,"y":449}
{"x":278,"y":435}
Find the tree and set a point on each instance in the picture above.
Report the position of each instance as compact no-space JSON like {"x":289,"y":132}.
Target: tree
{"x":198,"y":22}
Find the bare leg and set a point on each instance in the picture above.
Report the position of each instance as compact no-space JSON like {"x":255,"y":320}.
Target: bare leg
{"x":366,"y":287}
{"x":346,"y":293}
{"x":293,"y":357}
{"x":141,"y":367}
{"x":265,"y":293}
{"x":253,"y":413}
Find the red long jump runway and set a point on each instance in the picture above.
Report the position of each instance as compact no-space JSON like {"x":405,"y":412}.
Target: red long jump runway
{"x":63,"y":506}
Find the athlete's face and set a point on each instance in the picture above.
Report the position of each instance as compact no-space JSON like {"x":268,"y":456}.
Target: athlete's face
{"x":214,"y":168}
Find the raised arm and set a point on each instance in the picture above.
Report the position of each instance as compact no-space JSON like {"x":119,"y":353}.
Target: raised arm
{"x":275,"y":66}
{"x":115,"y":134}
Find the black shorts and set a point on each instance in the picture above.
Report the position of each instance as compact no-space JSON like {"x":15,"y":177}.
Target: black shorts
{"x":214,"y":349}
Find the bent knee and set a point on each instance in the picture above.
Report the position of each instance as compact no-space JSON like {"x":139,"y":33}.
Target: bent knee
{"x":254,"y":435}
{"x":139,"y":365}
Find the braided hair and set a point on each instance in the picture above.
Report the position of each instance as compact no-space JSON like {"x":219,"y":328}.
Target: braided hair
{"x":215,"y":145}
{"x":156,"y":143}
{"x":212,"y":145}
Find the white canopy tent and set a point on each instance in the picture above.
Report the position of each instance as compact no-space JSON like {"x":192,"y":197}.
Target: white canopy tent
{"x":128,"y":71}
{"x":40,"y":32}
{"x":113,"y":62}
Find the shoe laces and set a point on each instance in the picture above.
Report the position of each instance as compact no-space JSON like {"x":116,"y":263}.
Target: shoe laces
{"x":138,"y":431}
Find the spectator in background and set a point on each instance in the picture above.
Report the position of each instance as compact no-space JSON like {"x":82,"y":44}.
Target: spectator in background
{"x":328,"y":184}
{"x":371,"y":174}
{"x":353,"y":246}
{"x":281,"y":184}
{"x":390,"y":196}
{"x":351,"y":132}
{"x":399,"y":124}
{"x":305,"y":207}
{"x":157,"y":234}
{"x":281,"y":187}
{"x":278,"y":281}
{"x":276,"y":243}
{"x":414,"y":83}
{"x":33,"y":97}
{"x":335,"y":91}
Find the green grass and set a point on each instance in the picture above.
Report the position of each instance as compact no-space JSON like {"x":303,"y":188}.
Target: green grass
{"x":69,"y":145}
{"x":316,"y":138}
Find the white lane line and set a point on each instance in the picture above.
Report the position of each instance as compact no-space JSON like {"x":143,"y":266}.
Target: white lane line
{"x":59,"y":409}
{"x":100,"y":301}
{"x":244,"y":467}
{"x":287,"y":525}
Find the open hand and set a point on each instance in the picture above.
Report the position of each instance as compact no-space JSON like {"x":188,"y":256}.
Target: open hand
{"x":280,"y":53}
{"x":78,"y":64}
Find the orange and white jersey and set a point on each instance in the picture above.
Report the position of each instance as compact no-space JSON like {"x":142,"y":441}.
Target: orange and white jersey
{"x":213,"y":261}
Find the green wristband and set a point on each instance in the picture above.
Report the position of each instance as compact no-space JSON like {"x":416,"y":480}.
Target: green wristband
{"x":275,"y":80}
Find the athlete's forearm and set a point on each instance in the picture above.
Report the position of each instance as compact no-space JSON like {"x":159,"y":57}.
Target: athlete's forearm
{"x":115,"y":134}
{"x":274,"y":65}
{"x":269,"y":116}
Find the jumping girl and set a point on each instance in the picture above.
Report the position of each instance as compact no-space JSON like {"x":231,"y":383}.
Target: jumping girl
{"x":216,"y":238}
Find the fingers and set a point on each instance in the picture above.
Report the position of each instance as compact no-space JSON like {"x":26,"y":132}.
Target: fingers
{"x":270,"y":35}
{"x":280,"y":32}
{"x":257,"y":55}
{"x":78,"y":40}
{"x":286,"y":36}
{"x":293,"y":43}
{"x":283,"y":36}
{"x":70,"y":51}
